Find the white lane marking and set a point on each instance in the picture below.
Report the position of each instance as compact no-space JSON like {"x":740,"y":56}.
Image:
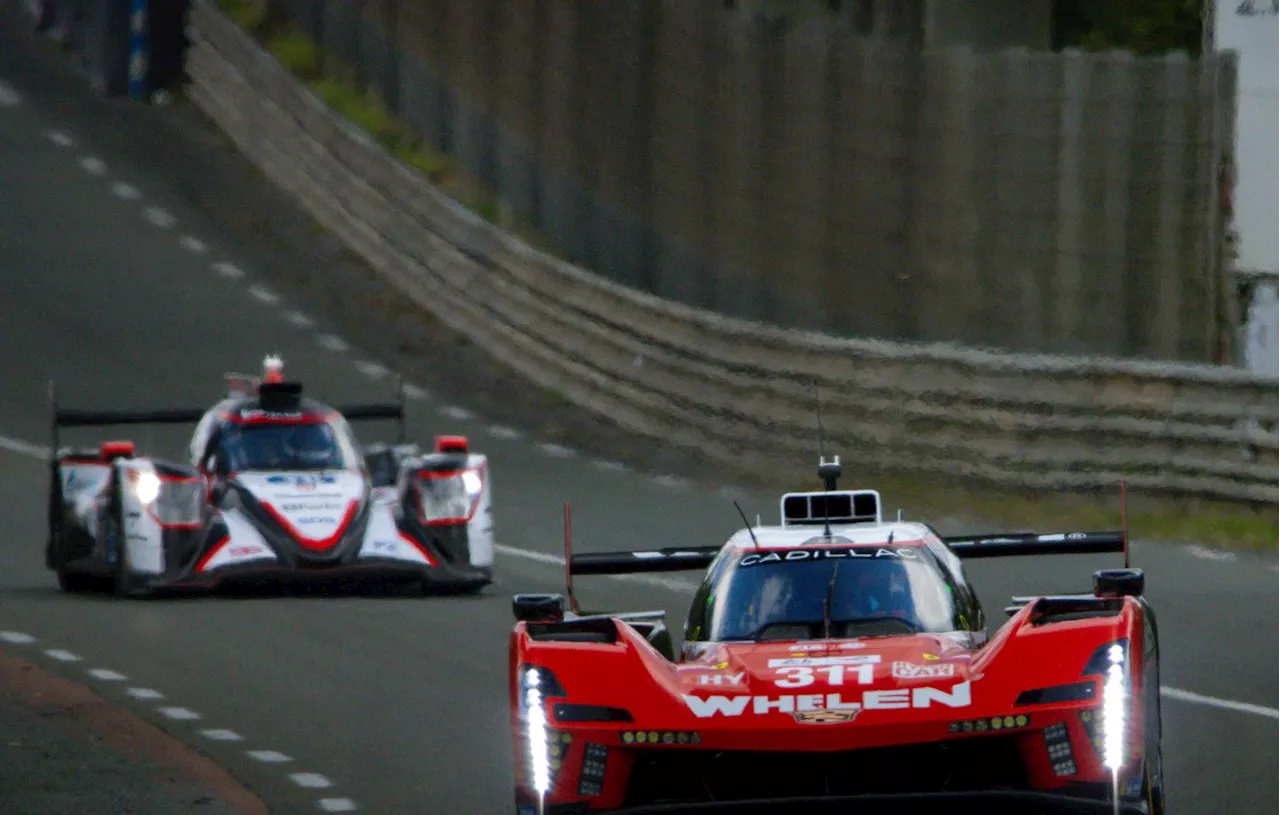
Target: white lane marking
{"x":299,"y":319}
{"x":61,"y":655}
{"x":680,"y":586}
{"x":93,"y":166}
{"x":456,"y":413}
{"x":505,"y":433}
{"x":193,"y":244}
{"x":59,"y":138}
{"x":159,"y":217}
{"x":16,"y":638}
{"x":1213,"y":701}
{"x":106,"y":675}
{"x":330,"y":342}
{"x":416,"y":393}
{"x":125,"y":191}
{"x":310,"y":780}
{"x":228,"y":270}
{"x":371,"y":369}
{"x":180,"y":713}
{"x":144,"y":693}
{"x":269,"y":756}
{"x":222,"y":735}
{"x":8,"y":96}
{"x":337,"y":805}
{"x":556,"y":450}
{"x":672,"y":481}
{"x":609,"y":465}
{"x":23,"y":448}
{"x":732,"y":493}
{"x":1205,"y":553}
{"x":263,"y":294}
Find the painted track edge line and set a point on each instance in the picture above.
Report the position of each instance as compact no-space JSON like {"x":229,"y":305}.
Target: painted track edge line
{"x":1213,"y":701}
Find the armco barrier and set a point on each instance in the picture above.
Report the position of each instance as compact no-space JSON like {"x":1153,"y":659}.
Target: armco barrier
{"x":738,"y":391}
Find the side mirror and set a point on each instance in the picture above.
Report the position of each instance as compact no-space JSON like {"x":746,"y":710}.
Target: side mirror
{"x":1118,"y":583}
{"x":538,"y":608}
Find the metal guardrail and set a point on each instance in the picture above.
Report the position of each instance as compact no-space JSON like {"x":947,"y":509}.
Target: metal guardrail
{"x":734,"y":389}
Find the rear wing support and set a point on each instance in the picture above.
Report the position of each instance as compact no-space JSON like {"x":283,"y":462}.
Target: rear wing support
{"x":1031,"y":543}
{"x":62,"y":417}
{"x":354,"y":413}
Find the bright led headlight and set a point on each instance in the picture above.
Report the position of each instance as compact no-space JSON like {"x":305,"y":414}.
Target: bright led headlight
{"x":147,"y":487}
{"x":448,"y":497}
{"x":533,"y":692}
{"x":1114,"y":709}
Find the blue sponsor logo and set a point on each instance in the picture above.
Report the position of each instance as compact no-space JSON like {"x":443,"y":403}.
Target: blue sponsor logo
{"x":302,"y":482}
{"x":318,"y":520}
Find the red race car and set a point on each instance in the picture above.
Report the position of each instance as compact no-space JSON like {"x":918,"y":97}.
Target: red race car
{"x":840,"y":663}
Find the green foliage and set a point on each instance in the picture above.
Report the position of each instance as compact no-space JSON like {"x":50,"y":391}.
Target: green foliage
{"x":1144,"y":27}
{"x":298,"y":53}
{"x":251,"y":15}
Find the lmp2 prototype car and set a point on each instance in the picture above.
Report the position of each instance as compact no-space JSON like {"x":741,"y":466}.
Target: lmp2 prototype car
{"x":840,"y":663}
{"x":277,"y":489}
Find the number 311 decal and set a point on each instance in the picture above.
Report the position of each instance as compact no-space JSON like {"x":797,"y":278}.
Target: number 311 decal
{"x":800,"y":676}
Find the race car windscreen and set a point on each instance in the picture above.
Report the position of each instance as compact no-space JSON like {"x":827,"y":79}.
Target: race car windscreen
{"x":817,"y":593}
{"x":299,"y":446}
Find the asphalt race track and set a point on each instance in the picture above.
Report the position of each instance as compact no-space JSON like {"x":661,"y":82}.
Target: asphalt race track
{"x":396,"y":704}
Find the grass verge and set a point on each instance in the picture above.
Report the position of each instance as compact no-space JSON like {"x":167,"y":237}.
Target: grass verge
{"x":1218,"y":523}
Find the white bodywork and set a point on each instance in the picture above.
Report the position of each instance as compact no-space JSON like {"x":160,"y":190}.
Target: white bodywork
{"x":480,"y":527}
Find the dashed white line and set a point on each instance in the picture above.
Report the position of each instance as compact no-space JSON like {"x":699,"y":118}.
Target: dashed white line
{"x":159,"y":217}
{"x":1205,"y":553}
{"x":61,"y":655}
{"x":310,"y":780}
{"x":125,"y":191}
{"x":145,"y":694}
{"x":1213,"y":701}
{"x":329,"y":342}
{"x":23,"y":448}
{"x":8,"y":96}
{"x":505,"y":433}
{"x":93,"y":166}
{"x":228,"y":270}
{"x":193,"y":244}
{"x":263,"y":294}
{"x":179,"y":714}
{"x":556,"y":450}
{"x":299,"y":319}
{"x":59,"y":138}
{"x":540,"y":557}
{"x":222,"y":735}
{"x":16,"y":638}
{"x":107,"y":675}
{"x":416,"y":393}
{"x":456,"y":413}
{"x":269,"y":756}
{"x":371,"y":369}
{"x":609,"y":465}
{"x":337,"y":805}
{"x":732,"y":493}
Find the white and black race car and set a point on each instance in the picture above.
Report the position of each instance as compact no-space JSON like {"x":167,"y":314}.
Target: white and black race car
{"x":277,"y":489}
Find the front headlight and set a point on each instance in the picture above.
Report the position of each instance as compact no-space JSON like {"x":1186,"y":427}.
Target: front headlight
{"x":448,"y":497}
{"x":147,"y":487}
{"x":1114,"y":709}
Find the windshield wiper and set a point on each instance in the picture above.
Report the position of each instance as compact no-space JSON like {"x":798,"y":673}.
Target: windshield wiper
{"x":826,"y":604}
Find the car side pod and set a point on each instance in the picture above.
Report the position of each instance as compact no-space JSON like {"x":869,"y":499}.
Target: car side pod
{"x":1108,"y":583}
{"x":538,"y":608}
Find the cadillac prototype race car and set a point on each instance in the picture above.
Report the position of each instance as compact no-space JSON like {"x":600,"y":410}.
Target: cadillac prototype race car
{"x":839,"y":662}
{"x":277,"y":489}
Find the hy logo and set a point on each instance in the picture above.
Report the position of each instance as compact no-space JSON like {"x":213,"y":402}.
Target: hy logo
{"x":910,"y":670}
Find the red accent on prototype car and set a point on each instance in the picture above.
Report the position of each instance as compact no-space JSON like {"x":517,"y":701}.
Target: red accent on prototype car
{"x":451,"y":444}
{"x":109,"y":450}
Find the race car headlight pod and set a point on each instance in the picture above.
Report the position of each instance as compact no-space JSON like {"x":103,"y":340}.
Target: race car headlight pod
{"x":1114,"y":709}
{"x":146,"y":485}
{"x":536,"y":685}
{"x":449,"y":497}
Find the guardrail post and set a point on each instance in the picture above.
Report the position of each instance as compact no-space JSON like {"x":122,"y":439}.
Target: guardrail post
{"x":138,"y":49}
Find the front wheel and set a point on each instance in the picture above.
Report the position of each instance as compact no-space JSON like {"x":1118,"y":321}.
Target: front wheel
{"x":75,"y":582}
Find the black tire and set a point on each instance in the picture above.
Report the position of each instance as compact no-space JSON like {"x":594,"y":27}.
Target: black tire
{"x":76,"y":582}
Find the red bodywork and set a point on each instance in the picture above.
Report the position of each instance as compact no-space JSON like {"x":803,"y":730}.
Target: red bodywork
{"x":764,"y":710}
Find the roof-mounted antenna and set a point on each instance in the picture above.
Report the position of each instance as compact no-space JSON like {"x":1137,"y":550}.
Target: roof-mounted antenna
{"x":755,"y":542}
{"x":1124,"y":524}
{"x":817,"y":398}
{"x":829,"y":472}
{"x":272,"y":368}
